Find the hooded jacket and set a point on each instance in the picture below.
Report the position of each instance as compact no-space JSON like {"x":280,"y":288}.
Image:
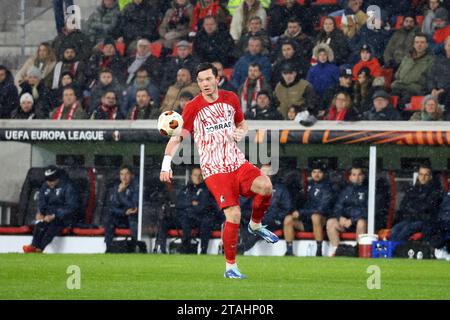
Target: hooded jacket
{"x":102,"y":22}
{"x":62,"y":201}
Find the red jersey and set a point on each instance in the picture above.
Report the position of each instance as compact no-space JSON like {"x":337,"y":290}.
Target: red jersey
{"x":212,"y":125}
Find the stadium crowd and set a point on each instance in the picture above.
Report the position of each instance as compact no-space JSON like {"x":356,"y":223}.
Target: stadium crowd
{"x":133,"y":59}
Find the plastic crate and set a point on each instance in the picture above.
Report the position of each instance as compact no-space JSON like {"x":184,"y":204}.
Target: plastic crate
{"x":384,"y":249}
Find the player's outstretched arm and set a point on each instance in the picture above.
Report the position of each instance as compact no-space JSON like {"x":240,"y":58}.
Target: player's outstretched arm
{"x":171,"y":149}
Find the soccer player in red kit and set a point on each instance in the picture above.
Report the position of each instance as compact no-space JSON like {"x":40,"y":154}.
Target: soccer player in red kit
{"x":215,"y":119}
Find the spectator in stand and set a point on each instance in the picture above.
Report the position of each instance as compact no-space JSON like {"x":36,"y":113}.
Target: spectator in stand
{"x":138,"y":19}
{"x":142,"y":81}
{"x":353,"y":18}
{"x":34,"y":86}
{"x":280,"y":207}
{"x":184,"y":83}
{"x":70,"y":109}
{"x":382,"y":110}
{"x":253,"y":29}
{"x":44,"y":60}
{"x":418,"y":211}
{"x":439,"y":77}
{"x":281,"y":12}
{"x":254,"y":55}
{"x":232,"y":5}
{"x":362,"y":90}
{"x":294,"y":31}
{"x":9,"y":97}
{"x":254,"y":83}
{"x":313,"y":214}
{"x":292,"y":113}
{"x":69,"y":63}
{"x":108,"y":58}
{"x":102,"y":21}
{"x":325,"y":74}
{"x":72,"y":37}
{"x":106,"y":82}
{"x":144,"y":58}
{"x":367,"y":60}
{"x":176,"y":23}
{"x":56,"y":95}
{"x":144,"y":109}
{"x":341,"y":109}
{"x":335,"y":39}
{"x":224,"y":84}
{"x":289,"y":54}
{"x":185,"y":97}
{"x":441,"y":27}
{"x":350,"y":211}
{"x":213,"y":43}
{"x":264,"y":109}
{"x":204,"y":9}
{"x":345,"y":85}
{"x":26,"y":110}
{"x":428,"y":26}
{"x":431,"y":110}
{"x":196,"y":209}
{"x":293,"y":90}
{"x":183,"y":59}
{"x":108,"y":108}
{"x":401,"y":42}
{"x":411,"y":76}
{"x":59,"y":9}
{"x":58,"y":204}
{"x":123,"y":207}
{"x":241,"y":17}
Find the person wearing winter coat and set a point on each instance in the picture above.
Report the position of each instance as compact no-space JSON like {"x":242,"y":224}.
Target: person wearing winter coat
{"x":36,"y":87}
{"x":353,"y":18}
{"x":264,"y":109}
{"x":439,"y":77}
{"x":9,"y":97}
{"x":428,"y":26}
{"x":144,"y":58}
{"x":431,"y":110}
{"x":254,"y":29}
{"x":224,"y":84}
{"x":70,"y":109}
{"x":335,"y":39}
{"x":345,"y":85}
{"x":289,"y":54}
{"x":44,"y":60}
{"x":204,"y":9}
{"x":246,"y":10}
{"x":281,"y":12}
{"x":108,"y":108}
{"x":325,"y":74}
{"x":144,"y":109}
{"x":411,"y":76}
{"x":71,"y":37}
{"x":254,"y":84}
{"x":254,"y":55}
{"x":142,"y":81}
{"x":102,"y":22}
{"x":382,"y":109}
{"x":213,"y":43}
{"x":183,"y":84}
{"x":367,"y":60}
{"x":401,"y":42}
{"x":176,"y":23}
{"x":341,"y":109}
{"x":362,"y":90}
{"x":26,"y":109}
{"x":419,"y":209}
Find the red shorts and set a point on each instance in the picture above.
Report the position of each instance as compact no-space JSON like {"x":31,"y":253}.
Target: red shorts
{"x":226,"y":187}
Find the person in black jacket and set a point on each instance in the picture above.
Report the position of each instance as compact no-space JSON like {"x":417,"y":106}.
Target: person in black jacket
{"x":350,"y":211}
{"x":108,"y":109}
{"x":382,"y":109}
{"x":280,"y":13}
{"x":312,"y":216}
{"x":264,"y":109}
{"x":213,"y":43}
{"x":280,"y":206}
{"x":58,"y":204}
{"x":345,"y":85}
{"x":34,"y":85}
{"x":419,"y":208}
{"x":123,"y":207}
{"x":9,"y":97}
{"x":196,"y":209}
{"x":224,"y":84}
{"x":26,"y":111}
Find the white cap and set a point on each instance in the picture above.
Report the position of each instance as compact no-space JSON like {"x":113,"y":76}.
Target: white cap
{"x":26,"y":97}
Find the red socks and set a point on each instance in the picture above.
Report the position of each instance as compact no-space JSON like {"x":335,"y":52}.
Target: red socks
{"x":260,"y":206}
{"x":230,"y":235}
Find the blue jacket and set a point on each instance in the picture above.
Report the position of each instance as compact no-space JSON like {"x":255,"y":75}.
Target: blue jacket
{"x":281,"y":204}
{"x":323,"y":76}
{"x":199,"y":193}
{"x":352,"y":202}
{"x":120,"y":202}
{"x":376,"y":39}
{"x":62,"y":201}
{"x":241,"y":68}
{"x":320,"y":199}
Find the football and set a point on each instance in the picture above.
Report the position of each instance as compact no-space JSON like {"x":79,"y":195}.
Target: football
{"x":170,"y":123}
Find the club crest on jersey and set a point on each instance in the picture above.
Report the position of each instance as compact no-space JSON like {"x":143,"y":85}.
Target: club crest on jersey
{"x":218,"y":127}
{"x":222,"y":199}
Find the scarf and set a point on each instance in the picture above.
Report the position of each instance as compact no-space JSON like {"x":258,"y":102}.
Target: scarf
{"x":134,"y":67}
{"x":244,"y":97}
{"x":110,"y":111}
{"x":180,"y":15}
{"x":334,"y":115}
{"x":60,"y":110}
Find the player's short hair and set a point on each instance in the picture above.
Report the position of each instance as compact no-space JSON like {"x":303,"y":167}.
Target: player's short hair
{"x":206,"y":66}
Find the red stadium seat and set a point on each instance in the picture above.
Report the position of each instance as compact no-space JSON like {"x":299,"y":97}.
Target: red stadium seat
{"x":216,"y":234}
{"x":122,"y":232}
{"x":399,"y":22}
{"x":338,"y":21}
{"x":175,"y":49}
{"x":388,"y":75}
{"x":120,"y":47}
{"x":416,"y":237}
{"x":88,"y":232}
{"x":300,"y":235}
{"x":66,"y":231}
{"x":156,"y":48}
{"x":348,"y":236}
{"x":11,"y":230}
{"x":441,"y":34}
{"x":325,"y":2}
{"x":227,"y":72}
{"x":416,"y":103}
{"x":394,"y":101}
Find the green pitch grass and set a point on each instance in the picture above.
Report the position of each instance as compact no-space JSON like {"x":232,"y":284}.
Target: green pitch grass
{"x":201,"y":277}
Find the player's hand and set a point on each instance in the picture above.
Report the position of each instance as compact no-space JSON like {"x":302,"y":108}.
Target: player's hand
{"x":49,"y":218}
{"x":239,"y":134}
{"x":345,"y":223}
{"x":131,"y":211}
{"x":166,"y":176}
